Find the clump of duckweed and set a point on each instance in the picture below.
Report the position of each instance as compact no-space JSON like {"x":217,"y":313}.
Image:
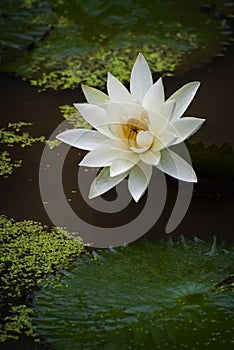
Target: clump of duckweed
{"x":147,"y":296}
{"x":10,"y":136}
{"x":18,"y":322}
{"x":29,"y":254}
{"x":7,"y":165}
{"x":91,"y":69}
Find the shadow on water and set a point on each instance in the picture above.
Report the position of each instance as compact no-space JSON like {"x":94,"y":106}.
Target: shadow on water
{"x":209,"y":213}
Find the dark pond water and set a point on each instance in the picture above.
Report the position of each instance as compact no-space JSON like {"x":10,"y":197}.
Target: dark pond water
{"x":209,"y":213}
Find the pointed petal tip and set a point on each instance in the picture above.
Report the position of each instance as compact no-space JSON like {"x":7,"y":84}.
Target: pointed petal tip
{"x":140,"y":55}
{"x":91,"y":195}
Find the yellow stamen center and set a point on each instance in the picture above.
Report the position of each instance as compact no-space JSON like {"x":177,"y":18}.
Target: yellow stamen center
{"x":131,"y":129}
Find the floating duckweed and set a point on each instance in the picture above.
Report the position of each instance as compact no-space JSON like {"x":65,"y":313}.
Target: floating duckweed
{"x":53,"y":143}
{"x":18,"y":322}
{"x":29,"y":254}
{"x":118,"y":61}
{"x":85,"y":39}
{"x":160,"y":294}
{"x":7,"y":165}
{"x":10,"y":136}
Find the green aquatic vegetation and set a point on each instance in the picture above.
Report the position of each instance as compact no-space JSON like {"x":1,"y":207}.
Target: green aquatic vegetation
{"x":12,"y":135}
{"x":92,"y":69}
{"x":160,"y":295}
{"x":212,"y":161}
{"x":22,"y":24}
{"x":74,"y":118}
{"x":7,"y":165}
{"x":18,"y":322}
{"x":88,"y":38}
{"x":29,"y":252}
{"x":29,"y":255}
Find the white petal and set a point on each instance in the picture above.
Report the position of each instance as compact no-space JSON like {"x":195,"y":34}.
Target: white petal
{"x":120,"y":144}
{"x":82,"y":138}
{"x":164,"y":140}
{"x":183,"y":97}
{"x":120,"y":166}
{"x":139,"y":150}
{"x":121,"y":112}
{"x":138,"y":181}
{"x":146,"y":169}
{"x":95,"y":116}
{"x":151,"y":158}
{"x":186,"y":126}
{"x":103,"y":155}
{"x":158,"y":123}
{"x":116,"y":90}
{"x":172,"y":164}
{"x":144,"y":139}
{"x":81,"y":106}
{"x":94,"y":96}
{"x":141,"y":79}
{"x":154,"y":97}
{"x":103,"y":182}
{"x":167,"y":109}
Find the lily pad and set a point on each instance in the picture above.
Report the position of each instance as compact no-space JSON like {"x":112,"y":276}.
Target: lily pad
{"x":89,"y":38}
{"x":22,"y":24}
{"x":161,"y":295}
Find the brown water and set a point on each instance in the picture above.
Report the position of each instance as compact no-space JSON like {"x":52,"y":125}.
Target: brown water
{"x":209,"y":214}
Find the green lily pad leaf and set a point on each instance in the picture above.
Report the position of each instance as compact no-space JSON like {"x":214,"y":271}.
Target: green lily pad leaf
{"x":22,"y":25}
{"x":89,"y":38}
{"x":151,"y":295}
{"x":214,"y":166}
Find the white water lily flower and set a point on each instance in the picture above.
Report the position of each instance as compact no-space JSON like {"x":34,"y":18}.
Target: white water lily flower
{"x":133,"y":131}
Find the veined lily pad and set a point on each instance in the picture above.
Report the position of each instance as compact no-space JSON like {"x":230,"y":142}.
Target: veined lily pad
{"x":90,"y":38}
{"x":149,"y":296}
{"x":22,"y":24}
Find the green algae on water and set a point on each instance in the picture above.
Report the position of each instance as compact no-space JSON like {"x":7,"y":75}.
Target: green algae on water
{"x":29,"y":255}
{"x":88,"y":38}
{"x":151,"y":295}
{"x":10,"y":136}
{"x":7,"y":165}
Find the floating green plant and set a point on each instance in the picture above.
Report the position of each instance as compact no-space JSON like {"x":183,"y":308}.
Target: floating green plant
{"x":7,"y":165}
{"x":22,"y":24}
{"x":29,"y":254}
{"x":148,"y":296}
{"x":10,"y":136}
{"x":214,"y":160}
{"x":85,"y":39}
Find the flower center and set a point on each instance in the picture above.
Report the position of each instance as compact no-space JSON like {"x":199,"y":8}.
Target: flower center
{"x":131,"y":129}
